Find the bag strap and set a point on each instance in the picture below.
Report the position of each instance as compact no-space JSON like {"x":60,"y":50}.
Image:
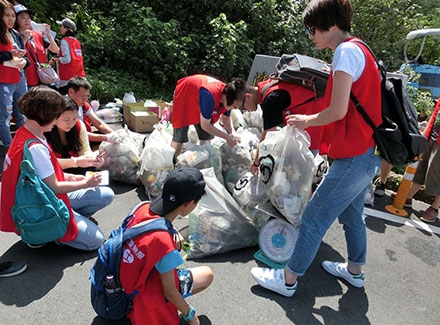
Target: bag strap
{"x":382,"y":72}
{"x":26,"y":153}
{"x":37,"y":63}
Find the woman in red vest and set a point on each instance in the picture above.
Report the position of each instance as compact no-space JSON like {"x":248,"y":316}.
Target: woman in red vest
{"x":201,"y":100}
{"x":70,"y":61}
{"x":36,"y":43}
{"x":348,"y":140}
{"x":42,"y":106}
{"x":12,"y":72}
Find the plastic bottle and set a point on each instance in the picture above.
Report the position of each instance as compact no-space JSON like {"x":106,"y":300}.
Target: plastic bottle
{"x":111,"y":288}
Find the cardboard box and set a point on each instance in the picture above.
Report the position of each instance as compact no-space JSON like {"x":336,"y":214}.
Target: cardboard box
{"x":142,"y":121}
{"x":138,"y":118}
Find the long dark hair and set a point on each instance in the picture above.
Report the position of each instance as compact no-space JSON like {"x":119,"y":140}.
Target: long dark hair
{"x":3,"y":28}
{"x":73,"y":143}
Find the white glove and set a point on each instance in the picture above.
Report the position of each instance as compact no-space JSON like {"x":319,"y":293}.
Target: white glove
{"x":113,"y":137}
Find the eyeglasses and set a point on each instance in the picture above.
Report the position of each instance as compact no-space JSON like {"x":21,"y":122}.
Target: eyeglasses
{"x":86,"y":96}
{"x":311,"y":30}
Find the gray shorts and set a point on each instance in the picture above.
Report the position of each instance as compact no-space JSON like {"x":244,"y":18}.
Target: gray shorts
{"x":181,"y":135}
{"x":428,"y":171}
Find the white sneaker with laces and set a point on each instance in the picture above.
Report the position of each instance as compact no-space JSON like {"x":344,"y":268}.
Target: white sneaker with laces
{"x":273,"y":279}
{"x":340,"y":270}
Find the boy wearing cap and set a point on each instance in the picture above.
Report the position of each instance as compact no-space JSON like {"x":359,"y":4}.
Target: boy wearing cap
{"x":70,"y":61}
{"x":161,"y":295}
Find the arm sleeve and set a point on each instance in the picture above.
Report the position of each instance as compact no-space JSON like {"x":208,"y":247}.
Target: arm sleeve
{"x":84,"y":140}
{"x":5,"y":56}
{"x":206,"y":103}
{"x":41,"y":159}
{"x":169,"y":262}
{"x":273,"y":106}
{"x":65,"y":49}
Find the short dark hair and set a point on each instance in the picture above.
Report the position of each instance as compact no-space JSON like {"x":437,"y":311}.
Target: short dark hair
{"x":42,"y":104}
{"x":236,"y":89}
{"x":76,"y":83}
{"x":323,"y":14}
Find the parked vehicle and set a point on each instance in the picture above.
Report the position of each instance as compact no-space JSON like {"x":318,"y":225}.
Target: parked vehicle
{"x":430,"y":73}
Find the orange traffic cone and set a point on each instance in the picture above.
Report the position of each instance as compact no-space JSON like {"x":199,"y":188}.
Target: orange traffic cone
{"x":402,"y":191}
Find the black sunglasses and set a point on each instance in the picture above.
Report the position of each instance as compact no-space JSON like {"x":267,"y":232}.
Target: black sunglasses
{"x":311,"y":30}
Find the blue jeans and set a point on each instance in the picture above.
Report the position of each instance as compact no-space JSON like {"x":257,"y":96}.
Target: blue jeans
{"x":89,"y":238}
{"x":9,"y":96}
{"x":340,"y":195}
{"x":87,"y":201}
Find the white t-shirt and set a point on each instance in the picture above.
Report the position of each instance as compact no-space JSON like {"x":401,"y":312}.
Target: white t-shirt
{"x":41,"y":158}
{"x":349,"y":58}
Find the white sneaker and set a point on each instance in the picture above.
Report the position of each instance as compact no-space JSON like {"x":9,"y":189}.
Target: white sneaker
{"x":273,"y":279}
{"x":340,"y":270}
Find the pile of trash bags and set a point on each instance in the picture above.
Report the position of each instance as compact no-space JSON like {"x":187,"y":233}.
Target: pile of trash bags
{"x":227,"y":217}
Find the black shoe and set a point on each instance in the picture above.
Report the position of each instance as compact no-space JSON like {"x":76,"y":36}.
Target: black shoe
{"x":11,"y":268}
{"x":379,"y":189}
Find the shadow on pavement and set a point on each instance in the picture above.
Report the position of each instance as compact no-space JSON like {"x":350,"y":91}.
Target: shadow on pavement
{"x":353,"y":304}
{"x":45,"y":269}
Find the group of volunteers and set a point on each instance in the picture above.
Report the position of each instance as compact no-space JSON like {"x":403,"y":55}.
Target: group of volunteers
{"x":62,"y":126}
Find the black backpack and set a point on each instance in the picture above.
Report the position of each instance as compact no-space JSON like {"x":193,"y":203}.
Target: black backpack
{"x":117,"y":305}
{"x":303,"y":70}
{"x":398,"y":138}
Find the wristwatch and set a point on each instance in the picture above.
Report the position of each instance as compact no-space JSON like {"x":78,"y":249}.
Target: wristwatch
{"x":191,"y":314}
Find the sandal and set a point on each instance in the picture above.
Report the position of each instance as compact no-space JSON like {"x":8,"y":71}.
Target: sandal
{"x":430,"y":215}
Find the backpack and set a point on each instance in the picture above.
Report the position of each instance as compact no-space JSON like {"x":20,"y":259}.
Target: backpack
{"x":39,"y":215}
{"x":117,"y":304}
{"x":397,"y":138}
{"x":306,"y":71}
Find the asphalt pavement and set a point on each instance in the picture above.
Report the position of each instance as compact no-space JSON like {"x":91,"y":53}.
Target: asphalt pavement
{"x":401,"y":286}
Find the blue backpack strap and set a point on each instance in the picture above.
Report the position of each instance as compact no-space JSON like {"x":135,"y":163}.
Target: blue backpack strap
{"x":159,"y":224}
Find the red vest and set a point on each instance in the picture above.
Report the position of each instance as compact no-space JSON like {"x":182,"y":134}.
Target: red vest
{"x":11,"y":172}
{"x":352,"y":136}
{"x":76,"y":65}
{"x":8,"y":75}
{"x":140,"y":255}
{"x":186,"y":106}
{"x":86,"y":120}
{"x":302,"y":101}
{"x":39,"y":53}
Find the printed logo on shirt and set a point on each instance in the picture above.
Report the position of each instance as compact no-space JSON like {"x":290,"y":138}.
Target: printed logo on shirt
{"x":131,"y":252}
{"x":78,"y":52}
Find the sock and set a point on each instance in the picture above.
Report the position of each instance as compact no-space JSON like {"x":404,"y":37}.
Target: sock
{"x":290,"y":285}
{"x":352,"y":273}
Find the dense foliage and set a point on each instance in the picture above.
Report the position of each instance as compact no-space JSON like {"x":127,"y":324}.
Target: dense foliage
{"x":145,"y":46}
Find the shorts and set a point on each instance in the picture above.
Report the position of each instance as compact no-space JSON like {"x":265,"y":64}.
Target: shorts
{"x":428,"y":170}
{"x":180,"y":135}
{"x":186,"y":282}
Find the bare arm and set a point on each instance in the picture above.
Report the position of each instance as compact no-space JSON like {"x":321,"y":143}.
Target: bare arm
{"x":172,"y":294}
{"x":335,"y":111}
{"x":211,"y":129}
{"x":98,"y":123}
{"x":79,"y":182}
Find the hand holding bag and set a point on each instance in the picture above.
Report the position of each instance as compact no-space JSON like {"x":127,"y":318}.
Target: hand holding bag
{"x":39,"y":216}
